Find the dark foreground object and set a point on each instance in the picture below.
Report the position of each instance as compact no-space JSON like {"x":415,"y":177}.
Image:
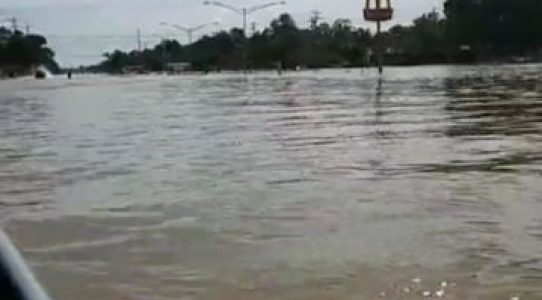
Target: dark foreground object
{"x":16,"y":280}
{"x":40,"y":74}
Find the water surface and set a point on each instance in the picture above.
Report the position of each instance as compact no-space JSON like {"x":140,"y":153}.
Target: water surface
{"x":329,"y":184}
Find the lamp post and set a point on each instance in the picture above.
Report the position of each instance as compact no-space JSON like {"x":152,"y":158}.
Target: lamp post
{"x":244,"y":12}
{"x":163,"y":40}
{"x":188,"y":30}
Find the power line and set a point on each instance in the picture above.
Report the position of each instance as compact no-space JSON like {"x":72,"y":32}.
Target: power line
{"x":138,"y":40}
{"x":108,"y":36}
{"x":14,"y":24}
{"x":83,"y":55}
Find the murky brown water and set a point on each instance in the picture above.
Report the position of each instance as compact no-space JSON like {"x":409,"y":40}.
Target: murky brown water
{"x":317,"y":185}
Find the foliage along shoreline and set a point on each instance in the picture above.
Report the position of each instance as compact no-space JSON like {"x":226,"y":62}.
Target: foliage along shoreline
{"x":468,"y":32}
{"x":22,"y":54}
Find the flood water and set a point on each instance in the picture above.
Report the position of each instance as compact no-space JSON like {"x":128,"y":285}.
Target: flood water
{"x":313,"y":185}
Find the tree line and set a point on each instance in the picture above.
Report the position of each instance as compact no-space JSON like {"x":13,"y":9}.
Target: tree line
{"x":20,"y":52}
{"x":468,"y":31}
{"x":323,"y":45}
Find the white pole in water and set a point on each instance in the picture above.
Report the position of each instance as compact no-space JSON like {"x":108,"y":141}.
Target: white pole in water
{"x":16,"y":274}
{"x":379,"y":41}
{"x":379,"y":47}
{"x":378,"y":14}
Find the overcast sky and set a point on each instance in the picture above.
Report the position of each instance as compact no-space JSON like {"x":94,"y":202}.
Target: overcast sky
{"x":81,"y":30}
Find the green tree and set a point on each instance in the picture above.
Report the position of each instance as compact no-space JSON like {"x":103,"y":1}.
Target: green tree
{"x":25,"y":51}
{"x":495,"y":27}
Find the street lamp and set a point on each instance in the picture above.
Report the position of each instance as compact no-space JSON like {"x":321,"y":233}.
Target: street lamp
{"x":163,"y":40}
{"x":244,"y":11}
{"x":188,"y":30}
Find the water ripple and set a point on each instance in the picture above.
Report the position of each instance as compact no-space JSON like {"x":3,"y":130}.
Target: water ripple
{"x":426,"y":166}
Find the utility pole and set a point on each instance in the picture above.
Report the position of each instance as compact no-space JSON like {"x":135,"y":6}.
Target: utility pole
{"x":316,"y":16}
{"x":245,"y":21}
{"x":14,"y":26}
{"x":27,"y":29}
{"x":138,"y":40}
{"x":245,"y":41}
{"x":164,"y":55}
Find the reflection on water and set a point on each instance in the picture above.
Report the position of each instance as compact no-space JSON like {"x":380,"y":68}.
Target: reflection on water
{"x":316,"y":185}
